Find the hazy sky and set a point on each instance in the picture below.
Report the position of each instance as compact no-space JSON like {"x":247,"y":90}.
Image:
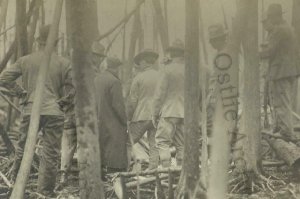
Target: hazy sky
{"x":111,"y":12}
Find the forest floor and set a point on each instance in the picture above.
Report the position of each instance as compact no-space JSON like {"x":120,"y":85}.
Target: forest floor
{"x":289,"y":190}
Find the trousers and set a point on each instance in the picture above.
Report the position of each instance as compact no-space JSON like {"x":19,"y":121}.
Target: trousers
{"x":52,"y":127}
{"x":282,"y":97}
{"x":68,"y":143}
{"x":137,"y":130}
{"x":170,"y":131}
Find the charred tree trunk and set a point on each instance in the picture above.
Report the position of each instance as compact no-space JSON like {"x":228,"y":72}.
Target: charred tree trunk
{"x":33,"y":25}
{"x":161,"y":24}
{"x":68,"y":28}
{"x":23,"y":174}
{"x":13,"y":45}
{"x":21,"y":28}
{"x":251,"y":97}
{"x":84,"y":31}
{"x":247,"y":148}
{"x":3,"y":13}
{"x":189,"y":178}
{"x":204,"y":81}
{"x":296,"y":25}
{"x":226,"y":114}
{"x":134,"y":38}
{"x":166,"y":13}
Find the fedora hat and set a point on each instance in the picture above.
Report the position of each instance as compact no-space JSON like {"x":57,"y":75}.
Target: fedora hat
{"x":98,"y":49}
{"x":113,"y":62}
{"x":144,"y":53}
{"x":216,"y":31}
{"x":43,"y":35}
{"x":177,"y":45}
{"x":274,"y":9}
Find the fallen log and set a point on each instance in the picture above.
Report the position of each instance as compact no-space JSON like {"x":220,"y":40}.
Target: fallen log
{"x":5,"y":180}
{"x":286,"y":151}
{"x":144,"y":181}
{"x":273,"y":164}
{"x":150,"y":172}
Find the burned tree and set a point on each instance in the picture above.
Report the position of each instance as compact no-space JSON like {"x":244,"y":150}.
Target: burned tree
{"x":84,"y":31}
{"x":23,"y":174}
{"x":189,"y":184}
{"x":21,"y":28}
{"x":161,"y":24}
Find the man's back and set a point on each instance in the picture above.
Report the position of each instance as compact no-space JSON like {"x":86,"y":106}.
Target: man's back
{"x":109,"y":98}
{"x":170,"y":92}
{"x":58,"y":75}
{"x":142,"y":92}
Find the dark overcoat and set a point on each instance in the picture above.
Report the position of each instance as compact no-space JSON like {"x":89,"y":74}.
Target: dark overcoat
{"x":112,"y":121}
{"x":282,"y":52}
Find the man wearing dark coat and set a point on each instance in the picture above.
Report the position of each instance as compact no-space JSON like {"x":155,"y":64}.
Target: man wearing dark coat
{"x":69,"y":138}
{"x":57,"y":82}
{"x":112,"y":120}
{"x":282,"y":54}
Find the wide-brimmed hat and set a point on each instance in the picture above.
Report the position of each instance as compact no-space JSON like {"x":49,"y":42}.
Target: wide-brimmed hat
{"x":274,"y":9}
{"x":44,"y":32}
{"x":98,"y":49}
{"x":216,"y":31}
{"x":264,"y":16}
{"x":113,"y":62}
{"x":177,"y":45}
{"x":145,"y":53}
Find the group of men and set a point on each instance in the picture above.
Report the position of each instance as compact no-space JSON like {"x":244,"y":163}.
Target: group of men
{"x":155,"y":101}
{"x":155,"y":104}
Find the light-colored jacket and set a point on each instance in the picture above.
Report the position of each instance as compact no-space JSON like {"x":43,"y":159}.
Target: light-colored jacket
{"x":58,"y":77}
{"x":169,"y":94}
{"x":141,"y":95}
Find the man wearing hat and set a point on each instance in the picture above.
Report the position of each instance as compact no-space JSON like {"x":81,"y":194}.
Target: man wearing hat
{"x":282,"y":54}
{"x":51,"y":116}
{"x":168,"y":106}
{"x":111,"y":116}
{"x":97,"y":56}
{"x":217,"y":36}
{"x":69,"y":139}
{"x":140,"y":101}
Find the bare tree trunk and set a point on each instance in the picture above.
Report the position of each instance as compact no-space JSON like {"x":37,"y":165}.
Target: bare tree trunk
{"x":247,"y":148}
{"x":68,"y":27}
{"x":22,"y":177}
{"x":124,"y":34}
{"x":155,"y":33}
{"x":21,"y":28}
{"x":251,"y":99}
{"x":296,"y":25}
{"x":134,"y":37}
{"x":226,"y":115}
{"x":161,"y":24}
{"x":84,"y":31}
{"x":166,"y":13}
{"x":13,"y":45}
{"x":3,"y":13}
{"x":32,"y":26}
{"x":189,"y":178}
{"x":43,"y":13}
{"x":204,"y":81}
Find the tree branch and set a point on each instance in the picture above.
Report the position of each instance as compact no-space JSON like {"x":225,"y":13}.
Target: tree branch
{"x":124,"y":20}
